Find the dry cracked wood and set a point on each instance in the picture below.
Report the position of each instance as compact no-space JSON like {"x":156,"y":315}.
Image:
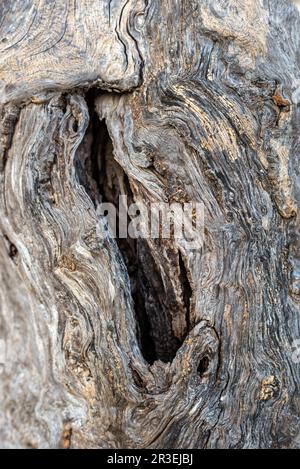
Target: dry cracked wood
{"x":115,"y":343}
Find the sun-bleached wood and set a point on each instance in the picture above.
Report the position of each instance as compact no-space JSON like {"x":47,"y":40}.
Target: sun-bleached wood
{"x":172,"y":101}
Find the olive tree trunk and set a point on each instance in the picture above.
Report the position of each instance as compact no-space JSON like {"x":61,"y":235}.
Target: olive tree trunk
{"x":122,"y":343}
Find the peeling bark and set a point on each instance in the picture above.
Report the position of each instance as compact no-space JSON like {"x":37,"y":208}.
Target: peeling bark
{"x":121,"y":343}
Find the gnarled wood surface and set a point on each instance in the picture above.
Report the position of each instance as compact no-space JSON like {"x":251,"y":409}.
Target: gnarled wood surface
{"x":111,"y":343}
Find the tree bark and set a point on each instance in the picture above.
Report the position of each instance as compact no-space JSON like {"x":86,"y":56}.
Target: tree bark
{"x":147,"y":344}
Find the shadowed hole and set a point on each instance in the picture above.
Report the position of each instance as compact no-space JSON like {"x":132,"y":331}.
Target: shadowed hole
{"x":203,"y":366}
{"x":12,"y":249}
{"x":105,"y":180}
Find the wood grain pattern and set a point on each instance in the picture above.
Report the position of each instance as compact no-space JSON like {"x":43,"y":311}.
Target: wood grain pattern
{"x":59,"y":45}
{"x":149,"y":345}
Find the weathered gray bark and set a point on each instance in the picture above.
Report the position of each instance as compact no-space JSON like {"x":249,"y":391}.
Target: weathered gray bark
{"x":148,"y":344}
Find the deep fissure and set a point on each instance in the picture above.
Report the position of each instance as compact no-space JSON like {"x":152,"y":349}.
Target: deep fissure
{"x":203,"y":366}
{"x":186,"y":290}
{"x":105,"y":180}
{"x":11,"y":248}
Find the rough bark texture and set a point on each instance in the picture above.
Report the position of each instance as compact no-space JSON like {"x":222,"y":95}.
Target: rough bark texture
{"x":148,"y":344}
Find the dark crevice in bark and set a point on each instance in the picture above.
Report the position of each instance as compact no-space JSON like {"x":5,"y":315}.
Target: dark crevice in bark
{"x":105,"y":180}
{"x":186,"y":290}
{"x":203,"y":366}
{"x":155,"y":321}
{"x":91,"y":157}
{"x":12,"y":250}
{"x":139,"y":289}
